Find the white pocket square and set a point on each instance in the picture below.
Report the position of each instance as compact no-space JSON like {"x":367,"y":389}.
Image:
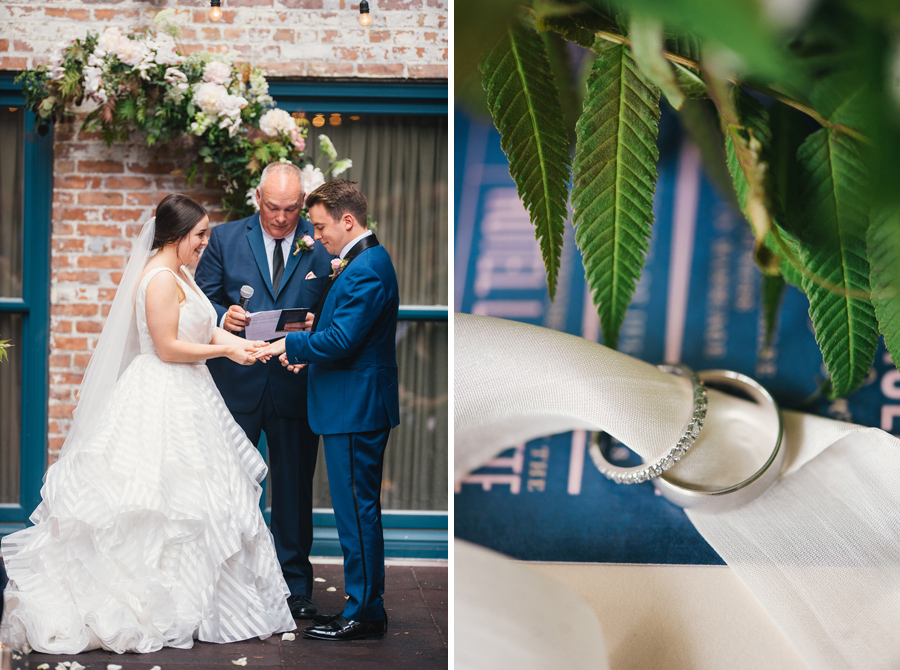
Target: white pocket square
{"x":311,"y":275}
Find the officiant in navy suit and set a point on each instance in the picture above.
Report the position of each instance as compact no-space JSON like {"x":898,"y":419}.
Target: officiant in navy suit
{"x":262,"y":252}
{"x":353,"y":396}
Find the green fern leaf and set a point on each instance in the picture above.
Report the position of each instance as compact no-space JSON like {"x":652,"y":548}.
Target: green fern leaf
{"x":524,"y":103}
{"x":614,"y":182}
{"x":835,"y":211}
{"x":884,"y":250}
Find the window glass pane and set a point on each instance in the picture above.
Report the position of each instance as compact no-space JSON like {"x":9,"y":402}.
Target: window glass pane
{"x":400,"y":162}
{"x":12,"y":159}
{"x":416,"y":459}
{"x":10,"y":408}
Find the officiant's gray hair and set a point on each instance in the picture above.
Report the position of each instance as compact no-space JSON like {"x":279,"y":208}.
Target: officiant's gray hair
{"x":280,"y":168}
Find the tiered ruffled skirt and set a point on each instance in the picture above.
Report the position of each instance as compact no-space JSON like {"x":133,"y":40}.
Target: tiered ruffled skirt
{"x":149,"y":533}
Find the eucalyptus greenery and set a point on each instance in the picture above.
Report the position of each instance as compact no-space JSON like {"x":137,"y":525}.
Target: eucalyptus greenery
{"x":794,"y":104}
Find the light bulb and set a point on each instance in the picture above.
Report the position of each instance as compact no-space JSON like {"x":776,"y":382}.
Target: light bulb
{"x":215,"y":10}
{"x":365,"y":19}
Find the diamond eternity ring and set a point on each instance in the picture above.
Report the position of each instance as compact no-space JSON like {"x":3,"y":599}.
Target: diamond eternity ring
{"x":648,"y":471}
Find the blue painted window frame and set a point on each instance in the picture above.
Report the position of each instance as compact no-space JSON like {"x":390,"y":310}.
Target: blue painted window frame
{"x":35,"y":309}
{"x":406,"y":534}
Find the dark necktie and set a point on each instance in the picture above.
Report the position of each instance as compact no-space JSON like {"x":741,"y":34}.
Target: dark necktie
{"x":277,"y":265}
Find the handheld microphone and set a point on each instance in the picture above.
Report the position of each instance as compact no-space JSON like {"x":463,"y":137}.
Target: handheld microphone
{"x":246,"y":294}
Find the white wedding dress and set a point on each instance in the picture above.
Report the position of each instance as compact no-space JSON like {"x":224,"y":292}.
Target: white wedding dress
{"x":149,"y":532}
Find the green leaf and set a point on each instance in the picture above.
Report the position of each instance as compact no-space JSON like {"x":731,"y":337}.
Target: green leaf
{"x":773,"y":287}
{"x":884,"y":251}
{"x":614,"y":181}
{"x":739,"y":25}
{"x":835,"y":210}
{"x":647,"y":46}
{"x":747,"y":140}
{"x":578,"y":25}
{"x":525,"y":106}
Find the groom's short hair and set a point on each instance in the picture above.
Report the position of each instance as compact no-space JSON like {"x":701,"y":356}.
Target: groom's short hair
{"x":340,"y":196}
{"x":281,"y":168}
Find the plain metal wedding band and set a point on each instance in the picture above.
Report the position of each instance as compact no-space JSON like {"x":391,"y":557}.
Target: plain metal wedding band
{"x":723,"y":499}
{"x":648,"y":471}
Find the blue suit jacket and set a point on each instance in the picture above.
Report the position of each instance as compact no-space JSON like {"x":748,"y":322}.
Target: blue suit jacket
{"x":236,"y":255}
{"x":352,"y":353}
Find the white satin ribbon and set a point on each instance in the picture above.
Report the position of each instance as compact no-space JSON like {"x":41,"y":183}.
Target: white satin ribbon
{"x":820,"y":550}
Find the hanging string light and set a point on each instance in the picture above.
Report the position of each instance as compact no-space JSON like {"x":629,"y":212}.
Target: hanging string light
{"x":365,"y":19}
{"x":215,"y":10}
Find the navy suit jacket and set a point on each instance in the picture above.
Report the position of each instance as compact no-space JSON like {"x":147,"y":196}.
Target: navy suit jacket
{"x":352,"y":354}
{"x":235,"y":256}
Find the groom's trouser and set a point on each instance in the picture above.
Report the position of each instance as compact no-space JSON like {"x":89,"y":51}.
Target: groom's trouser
{"x":293,"y":449}
{"x":355,"y":462}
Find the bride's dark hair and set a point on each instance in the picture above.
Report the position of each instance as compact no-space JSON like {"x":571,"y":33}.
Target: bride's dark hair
{"x":176,"y":216}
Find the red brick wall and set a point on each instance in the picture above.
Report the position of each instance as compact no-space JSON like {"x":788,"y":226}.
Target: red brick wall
{"x":296,"y":38}
{"x":102,"y":195}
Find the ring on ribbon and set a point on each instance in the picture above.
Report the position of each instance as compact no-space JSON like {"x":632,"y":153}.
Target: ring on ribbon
{"x":729,"y":497}
{"x":648,"y":471}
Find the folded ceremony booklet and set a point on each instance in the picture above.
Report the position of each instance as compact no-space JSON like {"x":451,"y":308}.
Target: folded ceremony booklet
{"x":697,"y":302}
{"x":270,"y":325}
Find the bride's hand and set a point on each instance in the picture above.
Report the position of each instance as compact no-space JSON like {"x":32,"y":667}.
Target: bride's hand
{"x":276,"y":348}
{"x":242,"y":355}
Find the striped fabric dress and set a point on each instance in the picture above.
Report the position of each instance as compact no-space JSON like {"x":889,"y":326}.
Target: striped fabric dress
{"x":149,"y":532}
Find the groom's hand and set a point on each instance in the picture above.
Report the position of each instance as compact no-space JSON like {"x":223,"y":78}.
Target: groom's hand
{"x":236,"y":319}
{"x":295,"y":368}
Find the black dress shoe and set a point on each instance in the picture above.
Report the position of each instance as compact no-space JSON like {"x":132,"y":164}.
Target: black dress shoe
{"x":341,"y":629}
{"x":320,"y":619}
{"x":301,"y":607}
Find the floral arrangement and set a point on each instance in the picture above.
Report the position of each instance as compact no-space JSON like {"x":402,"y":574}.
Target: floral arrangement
{"x":217,"y":111}
{"x":4,"y":345}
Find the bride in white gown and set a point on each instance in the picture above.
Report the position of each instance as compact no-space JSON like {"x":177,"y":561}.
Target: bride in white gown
{"x":149,"y":532}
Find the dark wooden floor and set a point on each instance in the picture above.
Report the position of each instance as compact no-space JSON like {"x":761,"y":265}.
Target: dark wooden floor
{"x":415,"y":598}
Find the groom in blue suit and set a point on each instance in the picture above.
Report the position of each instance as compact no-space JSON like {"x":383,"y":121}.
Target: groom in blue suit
{"x":260,"y":252}
{"x":353,"y":396}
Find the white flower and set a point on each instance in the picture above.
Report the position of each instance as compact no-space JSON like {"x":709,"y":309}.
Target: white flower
{"x":217,"y":72}
{"x":92,"y":82}
{"x":277,"y":121}
{"x":341,"y":166}
{"x":327,"y":147}
{"x":167,"y":50}
{"x":211,"y":98}
{"x":311,"y":178}
{"x":251,"y":198}
{"x":55,"y":62}
{"x":131,"y":52}
{"x":177,"y":78}
{"x":108,"y":42}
